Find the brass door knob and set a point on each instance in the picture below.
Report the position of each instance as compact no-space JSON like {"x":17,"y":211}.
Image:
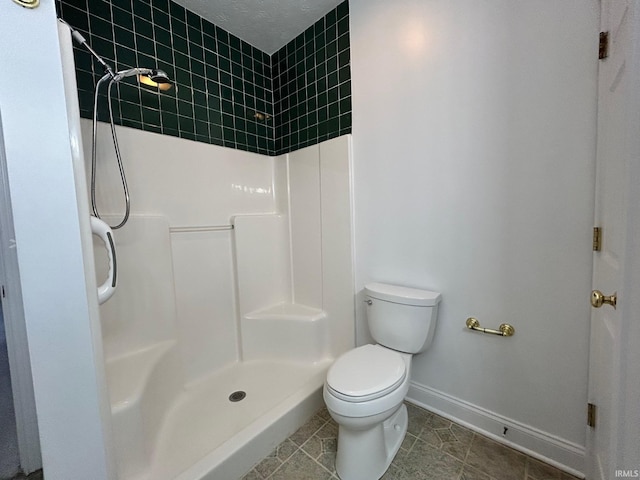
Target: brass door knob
{"x":598,"y":299}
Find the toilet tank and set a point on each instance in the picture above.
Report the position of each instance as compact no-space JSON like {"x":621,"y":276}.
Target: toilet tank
{"x":401,"y":318}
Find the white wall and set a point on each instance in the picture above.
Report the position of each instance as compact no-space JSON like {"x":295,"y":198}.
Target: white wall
{"x":194,"y":186}
{"x":298,"y":264}
{"x":474,"y":134}
{"x":144,"y":311}
{"x":262,"y":258}
{"x":321,"y":206}
{"x":306,"y":225}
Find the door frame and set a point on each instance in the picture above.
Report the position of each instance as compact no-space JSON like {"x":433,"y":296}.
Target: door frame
{"x":54,"y":253}
{"x":24,"y":403}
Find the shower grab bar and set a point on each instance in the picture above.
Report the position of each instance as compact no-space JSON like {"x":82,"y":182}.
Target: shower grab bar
{"x":504,"y":330}
{"x":200,"y":228}
{"x":104,"y":232}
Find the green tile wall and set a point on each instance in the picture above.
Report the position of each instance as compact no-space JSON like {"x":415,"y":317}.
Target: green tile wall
{"x":221,"y":81}
{"x":312,"y":84}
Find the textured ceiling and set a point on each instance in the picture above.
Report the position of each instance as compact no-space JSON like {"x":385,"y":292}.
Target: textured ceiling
{"x":265,"y":24}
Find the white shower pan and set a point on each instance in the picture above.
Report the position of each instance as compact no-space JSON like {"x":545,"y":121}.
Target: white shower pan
{"x":163,"y":431}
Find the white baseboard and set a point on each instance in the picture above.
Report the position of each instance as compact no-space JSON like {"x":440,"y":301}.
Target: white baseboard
{"x":565,"y":455}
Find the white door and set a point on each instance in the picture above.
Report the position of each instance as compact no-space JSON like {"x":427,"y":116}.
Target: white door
{"x":613,"y":330}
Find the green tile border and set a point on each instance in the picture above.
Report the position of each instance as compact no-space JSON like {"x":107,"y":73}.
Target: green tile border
{"x":221,"y":81}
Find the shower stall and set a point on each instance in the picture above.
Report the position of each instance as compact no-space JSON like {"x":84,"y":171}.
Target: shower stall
{"x":235,"y":292}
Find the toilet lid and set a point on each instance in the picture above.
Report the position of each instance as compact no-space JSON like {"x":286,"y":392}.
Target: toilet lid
{"x":367,"y":371}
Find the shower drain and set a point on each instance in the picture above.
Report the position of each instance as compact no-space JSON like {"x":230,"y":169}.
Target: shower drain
{"x":237,"y":396}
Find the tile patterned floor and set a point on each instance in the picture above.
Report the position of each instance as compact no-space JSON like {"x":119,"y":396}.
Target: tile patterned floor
{"x":434,"y":449}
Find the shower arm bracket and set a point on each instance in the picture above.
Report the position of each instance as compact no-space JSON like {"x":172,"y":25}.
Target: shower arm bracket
{"x":80,"y":40}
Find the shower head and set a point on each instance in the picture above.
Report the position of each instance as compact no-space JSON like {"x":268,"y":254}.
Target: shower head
{"x":155,"y":78}
{"x":159,"y":77}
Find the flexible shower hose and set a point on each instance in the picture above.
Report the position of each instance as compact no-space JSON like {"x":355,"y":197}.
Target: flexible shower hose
{"x":94,"y":142}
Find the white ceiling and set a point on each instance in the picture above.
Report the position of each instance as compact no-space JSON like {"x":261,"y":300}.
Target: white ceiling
{"x":265,"y":24}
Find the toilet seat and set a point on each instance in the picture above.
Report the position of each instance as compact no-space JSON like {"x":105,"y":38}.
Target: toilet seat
{"x":366,"y":373}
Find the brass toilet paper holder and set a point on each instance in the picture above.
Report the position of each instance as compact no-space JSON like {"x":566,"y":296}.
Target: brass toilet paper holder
{"x":504,"y":330}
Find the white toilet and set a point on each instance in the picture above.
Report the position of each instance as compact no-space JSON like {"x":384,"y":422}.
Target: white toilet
{"x":366,"y":386}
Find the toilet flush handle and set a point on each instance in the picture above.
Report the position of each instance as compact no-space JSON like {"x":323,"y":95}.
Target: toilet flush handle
{"x":368,"y":301}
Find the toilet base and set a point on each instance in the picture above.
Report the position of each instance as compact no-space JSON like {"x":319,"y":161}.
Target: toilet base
{"x":365,"y":453}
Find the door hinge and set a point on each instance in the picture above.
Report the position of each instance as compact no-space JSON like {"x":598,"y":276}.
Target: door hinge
{"x":603,"y":50}
{"x":597,"y":239}
{"x":591,"y":415}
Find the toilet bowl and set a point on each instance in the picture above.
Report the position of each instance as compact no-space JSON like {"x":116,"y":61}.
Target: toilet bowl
{"x":365,"y":387}
{"x":369,"y":411}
